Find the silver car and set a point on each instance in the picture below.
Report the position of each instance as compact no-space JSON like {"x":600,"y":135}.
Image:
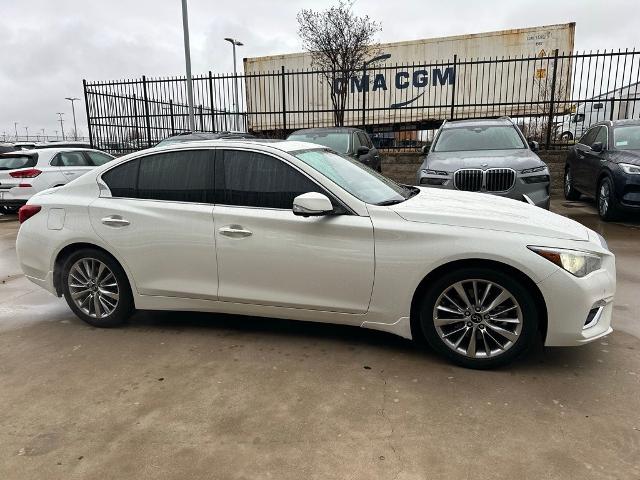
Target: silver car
{"x":486,"y":155}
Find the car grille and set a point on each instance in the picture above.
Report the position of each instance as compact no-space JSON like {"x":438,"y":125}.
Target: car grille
{"x":491,"y":180}
{"x":469,"y":179}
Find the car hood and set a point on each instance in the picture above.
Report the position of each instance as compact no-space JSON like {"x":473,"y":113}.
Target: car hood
{"x":479,"y":210}
{"x":451,"y":161}
{"x":625,"y":156}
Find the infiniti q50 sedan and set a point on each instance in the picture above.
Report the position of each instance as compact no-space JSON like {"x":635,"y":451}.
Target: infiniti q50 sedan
{"x":297,"y":231}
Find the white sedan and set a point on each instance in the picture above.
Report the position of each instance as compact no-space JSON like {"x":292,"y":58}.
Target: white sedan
{"x":296,"y":231}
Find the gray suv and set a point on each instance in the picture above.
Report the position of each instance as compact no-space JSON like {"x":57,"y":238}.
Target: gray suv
{"x":489,"y":156}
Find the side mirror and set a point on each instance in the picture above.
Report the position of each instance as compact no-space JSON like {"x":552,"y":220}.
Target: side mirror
{"x":362,"y":151}
{"x":312,"y":204}
{"x":597,"y":147}
{"x":426,"y":148}
{"x":534,"y":146}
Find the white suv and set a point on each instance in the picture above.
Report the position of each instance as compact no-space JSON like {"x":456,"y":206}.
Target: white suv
{"x":26,"y":172}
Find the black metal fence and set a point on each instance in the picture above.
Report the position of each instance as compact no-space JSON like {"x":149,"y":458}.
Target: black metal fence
{"x":553,"y":98}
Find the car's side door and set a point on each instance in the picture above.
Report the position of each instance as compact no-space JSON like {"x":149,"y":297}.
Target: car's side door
{"x":579,"y":169}
{"x":593,"y":160}
{"x":155,"y":213}
{"x":267,"y":255}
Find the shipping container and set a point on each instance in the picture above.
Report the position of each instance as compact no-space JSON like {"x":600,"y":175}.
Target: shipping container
{"x":415,"y":82}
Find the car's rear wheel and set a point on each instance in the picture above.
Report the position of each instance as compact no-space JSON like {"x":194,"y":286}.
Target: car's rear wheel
{"x":606,"y":199}
{"x":570,"y":192}
{"x":566,"y":136}
{"x":479,"y":317}
{"x":96,"y":288}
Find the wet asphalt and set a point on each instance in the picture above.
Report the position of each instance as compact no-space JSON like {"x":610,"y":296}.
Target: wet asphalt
{"x":191,"y":396}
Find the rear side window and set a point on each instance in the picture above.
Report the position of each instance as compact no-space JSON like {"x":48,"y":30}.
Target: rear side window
{"x":70,"y":159}
{"x":122,"y":179}
{"x":252,"y":179}
{"x":97,"y":158}
{"x":17,"y":161}
{"x":183,"y":176}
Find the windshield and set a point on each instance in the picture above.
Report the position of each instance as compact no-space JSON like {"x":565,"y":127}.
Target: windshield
{"x":627,"y":138}
{"x":13,"y":162}
{"x":357,"y":179}
{"x":334,"y":140}
{"x":487,"y":137}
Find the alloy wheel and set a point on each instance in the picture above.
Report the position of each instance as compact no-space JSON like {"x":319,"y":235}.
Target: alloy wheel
{"x":603,"y":198}
{"x":93,"y":287}
{"x":477,"y":318}
{"x":567,"y":183}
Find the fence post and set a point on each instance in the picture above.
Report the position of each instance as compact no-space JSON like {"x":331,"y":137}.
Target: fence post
{"x":613,"y":106}
{"x":173,"y":126}
{"x":552,"y":99}
{"x":146,"y":110}
{"x":213,"y":115}
{"x":135,"y":116}
{"x":453,"y":88}
{"x":364,"y":96}
{"x":86,"y":106}
{"x":284,"y":101}
{"x":201,"y":118}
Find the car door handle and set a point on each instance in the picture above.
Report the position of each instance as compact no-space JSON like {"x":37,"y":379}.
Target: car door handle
{"x":115,"y":221}
{"x":235,"y":231}
{"x":69,"y":173}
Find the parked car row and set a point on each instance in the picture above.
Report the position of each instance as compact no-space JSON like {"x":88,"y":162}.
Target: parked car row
{"x":294,"y":230}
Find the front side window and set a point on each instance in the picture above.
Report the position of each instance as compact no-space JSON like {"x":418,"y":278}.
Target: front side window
{"x":602,"y":136}
{"x":589,"y":137}
{"x":98,"y":159}
{"x":252,"y":179}
{"x":360,"y":181}
{"x":364,"y":140}
{"x":627,"y":137}
{"x":337,"y":141}
{"x":479,"y":137}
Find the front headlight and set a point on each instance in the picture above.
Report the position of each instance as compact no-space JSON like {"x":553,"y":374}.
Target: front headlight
{"x":435,"y":172}
{"x":534,"y":170}
{"x":630,"y":169}
{"x":575,"y":262}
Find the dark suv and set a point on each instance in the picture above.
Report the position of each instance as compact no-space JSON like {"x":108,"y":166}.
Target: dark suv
{"x":605,"y":165}
{"x":352,"y":142}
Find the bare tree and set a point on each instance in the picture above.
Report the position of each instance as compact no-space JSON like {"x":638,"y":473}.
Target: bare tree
{"x":340,"y":42}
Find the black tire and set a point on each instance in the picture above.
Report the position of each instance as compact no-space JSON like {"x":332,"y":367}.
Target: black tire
{"x":124,"y":305}
{"x":9,"y":210}
{"x":606,"y":202}
{"x":566,"y":136}
{"x":570,"y":192}
{"x":528,"y":318}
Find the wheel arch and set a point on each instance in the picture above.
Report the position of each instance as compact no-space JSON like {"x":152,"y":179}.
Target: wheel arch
{"x":416,"y":331}
{"x":71,"y":248}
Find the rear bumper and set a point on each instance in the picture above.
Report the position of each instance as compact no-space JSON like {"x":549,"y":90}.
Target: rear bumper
{"x":16,"y":196}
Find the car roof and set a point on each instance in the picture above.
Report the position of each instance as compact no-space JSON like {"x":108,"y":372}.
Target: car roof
{"x":328,"y":130}
{"x":619,"y":123}
{"x":52,"y":151}
{"x":502,"y":121}
{"x":282,"y":145}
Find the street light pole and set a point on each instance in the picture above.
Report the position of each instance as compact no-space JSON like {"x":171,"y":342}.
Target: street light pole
{"x":26,"y":129}
{"x":235,"y":43}
{"x":75,"y":128}
{"x":187,"y":60}
{"x":15,"y":129}
{"x":61,"y":124}
{"x":44,"y":137}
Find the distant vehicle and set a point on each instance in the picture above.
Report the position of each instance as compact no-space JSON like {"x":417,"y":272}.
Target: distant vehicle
{"x":26,"y":172}
{"x":295,"y":230}
{"x":63,"y":144}
{"x":605,"y":165}
{"x":197,"y":136}
{"x":7,"y":147}
{"x":599,"y":109}
{"x":489,"y":156}
{"x":352,"y":142}
{"x":24,"y":145}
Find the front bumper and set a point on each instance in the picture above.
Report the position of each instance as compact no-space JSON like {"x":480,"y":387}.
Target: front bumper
{"x":570,"y":300}
{"x":538,"y":193}
{"x":627,"y":188}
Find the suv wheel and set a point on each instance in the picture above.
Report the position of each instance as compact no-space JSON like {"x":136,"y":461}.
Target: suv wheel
{"x":479,"y":317}
{"x":96,"y":288}
{"x":570,"y":192}
{"x":606,"y":199}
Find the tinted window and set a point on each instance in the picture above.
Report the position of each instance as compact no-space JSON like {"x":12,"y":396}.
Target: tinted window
{"x":589,"y":137}
{"x":602,"y":136}
{"x":338,"y":141}
{"x":17,"y":161}
{"x":98,"y":159}
{"x":253,"y":179}
{"x":479,"y":137}
{"x":176,"y":176}
{"x":122,"y":179}
{"x":364,"y":140}
{"x":70,"y":159}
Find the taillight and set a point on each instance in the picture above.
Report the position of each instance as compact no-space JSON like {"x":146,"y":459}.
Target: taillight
{"x":29,"y":173}
{"x":27,"y":211}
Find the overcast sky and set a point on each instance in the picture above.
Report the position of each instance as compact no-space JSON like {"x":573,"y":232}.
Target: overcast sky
{"x":49,"y":46}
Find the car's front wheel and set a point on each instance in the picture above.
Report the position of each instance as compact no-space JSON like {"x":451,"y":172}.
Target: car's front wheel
{"x":606,"y":199}
{"x":479,"y":317}
{"x":96,"y":288}
{"x":9,"y":210}
{"x":570,"y":192}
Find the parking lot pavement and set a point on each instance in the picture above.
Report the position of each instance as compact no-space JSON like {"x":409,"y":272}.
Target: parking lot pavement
{"x":190,"y":396}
